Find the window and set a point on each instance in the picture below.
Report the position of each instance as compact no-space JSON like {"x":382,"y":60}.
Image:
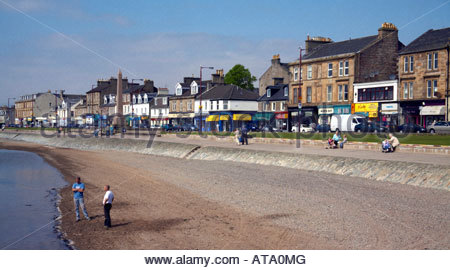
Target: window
{"x":156,"y":102}
{"x":174,"y":106}
{"x":341,"y":68}
{"x":283,"y":106}
{"x":406,"y":64}
{"x":405,"y":90}
{"x":330,"y":69}
{"x":225,"y":105}
{"x":181,"y":106}
{"x":339,"y":92}
{"x":286,"y":91}
{"x":266,"y":107}
{"x":274,"y":105}
{"x":296,"y":74}
{"x":164,"y":100}
{"x":346,"y":65}
{"x":179,"y":90}
{"x":429,"y":89}
{"x":211,"y":105}
{"x":345,"y":92}
{"x":435,"y":87}
{"x":430,"y":61}
{"x":309,"y":72}
{"x":411,"y":63}
{"x":269,"y":92}
{"x":308,"y":94}
{"x":295,"y":95}
{"x":435,"y":56}
{"x":329,"y":93}
{"x":217,"y":105}
{"x":189,"y":105}
{"x":411,"y":90}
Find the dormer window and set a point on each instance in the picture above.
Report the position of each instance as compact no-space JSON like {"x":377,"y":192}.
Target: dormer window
{"x":105,"y":100}
{"x":286,"y":91}
{"x":269,"y":92}
{"x":134,"y":99}
{"x":194,"y":88}
{"x":145,"y":98}
{"x":164,"y":100}
{"x":179,"y":90}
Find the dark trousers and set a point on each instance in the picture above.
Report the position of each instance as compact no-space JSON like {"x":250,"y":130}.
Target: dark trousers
{"x":244,"y":139}
{"x":107,"y":209}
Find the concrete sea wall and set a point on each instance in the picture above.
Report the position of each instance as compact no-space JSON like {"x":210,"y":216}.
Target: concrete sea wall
{"x":417,"y":174}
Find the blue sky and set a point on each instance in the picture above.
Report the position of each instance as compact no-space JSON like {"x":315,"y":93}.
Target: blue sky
{"x":166,"y":40}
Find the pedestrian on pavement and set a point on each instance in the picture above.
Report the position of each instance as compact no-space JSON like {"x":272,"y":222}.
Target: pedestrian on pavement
{"x":344,"y":141}
{"x":244,"y":135}
{"x":78,"y":190}
{"x":107,"y":205}
{"x":237,"y":135}
{"x":393,"y":141}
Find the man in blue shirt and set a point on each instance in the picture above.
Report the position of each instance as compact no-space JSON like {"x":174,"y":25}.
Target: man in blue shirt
{"x":78,"y":189}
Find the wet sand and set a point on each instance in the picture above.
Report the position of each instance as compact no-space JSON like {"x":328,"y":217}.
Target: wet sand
{"x":168,"y":203}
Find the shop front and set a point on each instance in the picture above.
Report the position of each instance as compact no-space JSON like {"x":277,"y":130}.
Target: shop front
{"x":219,"y":122}
{"x":432,"y":111}
{"x":264,"y":119}
{"x":281,"y":120}
{"x":181,"y":118}
{"x":369,"y":110}
{"x":325,"y":113}
{"x":389,"y":113}
{"x":410,"y":112}
{"x":309,"y":115}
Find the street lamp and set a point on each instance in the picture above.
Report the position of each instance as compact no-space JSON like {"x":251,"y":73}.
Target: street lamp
{"x":299,"y":94}
{"x":201,"y":106}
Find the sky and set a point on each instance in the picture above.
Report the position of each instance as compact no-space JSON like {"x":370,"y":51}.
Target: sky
{"x":52,"y":45}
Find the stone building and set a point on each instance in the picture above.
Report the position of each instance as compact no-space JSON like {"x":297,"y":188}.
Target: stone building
{"x":330,"y":70}
{"x":423,"y":68}
{"x":277,"y":73}
{"x":159,"y":108}
{"x":272,"y":107}
{"x":24,"y":110}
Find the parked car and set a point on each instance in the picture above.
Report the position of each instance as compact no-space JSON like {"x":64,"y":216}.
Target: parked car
{"x":370,"y":127}
{"x":168,"y":127}
{"x":439,"y":127}
{"x":188,"y":127}
{"x":303,"y":128}
{"x":269,"y":129}
{"x":323,"y":128}
{"x":411,"y":128}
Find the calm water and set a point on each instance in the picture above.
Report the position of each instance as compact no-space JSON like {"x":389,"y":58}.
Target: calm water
{"x":28,"y":193}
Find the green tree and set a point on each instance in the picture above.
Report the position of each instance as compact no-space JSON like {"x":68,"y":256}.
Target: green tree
{"x":240,"y":76}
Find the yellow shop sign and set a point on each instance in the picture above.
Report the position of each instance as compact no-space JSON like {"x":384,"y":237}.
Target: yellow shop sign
{"x":366,"y":107}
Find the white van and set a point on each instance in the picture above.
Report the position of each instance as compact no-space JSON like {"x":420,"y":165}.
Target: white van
{"x":346,"y":122}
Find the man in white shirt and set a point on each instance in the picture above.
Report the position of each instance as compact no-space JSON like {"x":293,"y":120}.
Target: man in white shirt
{"x":107,"y":204}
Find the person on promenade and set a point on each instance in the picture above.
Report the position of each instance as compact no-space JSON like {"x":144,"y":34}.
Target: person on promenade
{"x":393,"y":141}
{"x":336,"y":139}
{"x":244,"y":134}
{"x":341,"y":145}
{"x":237,"y":135}
{"x":386,"y":146}
{"x":78,"y":190}
{"x":107,"y":205}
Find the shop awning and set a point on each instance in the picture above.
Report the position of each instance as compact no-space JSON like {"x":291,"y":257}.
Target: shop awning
{"x":212,"y":118}
{"x":242,"y":117}
{"x":433,"y":110}
{"x":224,"y":118}
{"x":41,"y":118}
{"x":262,"y":116}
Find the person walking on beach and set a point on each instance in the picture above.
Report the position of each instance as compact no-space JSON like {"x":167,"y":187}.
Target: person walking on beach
{"x":107,"y":205}
{"x":78,"y":190}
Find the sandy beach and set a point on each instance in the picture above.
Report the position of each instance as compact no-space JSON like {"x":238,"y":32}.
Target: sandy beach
{"x":169,"y":203}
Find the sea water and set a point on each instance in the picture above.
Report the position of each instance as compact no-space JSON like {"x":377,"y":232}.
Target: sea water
{"x":28,"y":196}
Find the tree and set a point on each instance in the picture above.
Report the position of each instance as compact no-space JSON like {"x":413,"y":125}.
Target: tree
{"x":240,"y":76}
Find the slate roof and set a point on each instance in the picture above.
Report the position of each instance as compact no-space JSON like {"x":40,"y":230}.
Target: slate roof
{"x":229,"y":92}
{"x":98,"y":89}
{"x":342,"y":47}
{"x":277,"y":93}
{"x":428,"y":41}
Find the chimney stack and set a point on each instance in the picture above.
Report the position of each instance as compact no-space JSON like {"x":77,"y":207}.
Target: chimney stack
{"x":276,"y":59}
{"x":386,"y":29}
{"x":312,"y":43}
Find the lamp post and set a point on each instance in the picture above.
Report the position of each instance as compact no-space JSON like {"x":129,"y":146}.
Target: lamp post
{"x":201,"y":106}
{"x":299,"y":94}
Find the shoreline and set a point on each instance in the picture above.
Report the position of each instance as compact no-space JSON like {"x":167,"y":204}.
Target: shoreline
{"x":174,"y":203}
